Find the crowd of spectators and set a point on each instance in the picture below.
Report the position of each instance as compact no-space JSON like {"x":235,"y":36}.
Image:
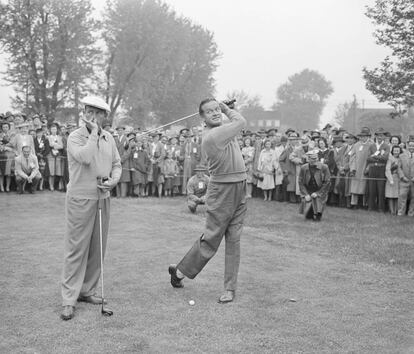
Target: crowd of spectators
{"x":369,"y":170}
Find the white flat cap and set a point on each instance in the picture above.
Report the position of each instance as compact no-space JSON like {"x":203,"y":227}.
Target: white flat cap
{"x":97,"y":102}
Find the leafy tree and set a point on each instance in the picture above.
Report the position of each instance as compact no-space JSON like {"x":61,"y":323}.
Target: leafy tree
{"x":157,"y":64}
{"x":344,"y":112}
{"x":302,"y":98}
{"x":50,"y":48}
{"x":393,"y":80}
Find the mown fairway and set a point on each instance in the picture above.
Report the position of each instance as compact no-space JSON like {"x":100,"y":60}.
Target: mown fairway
{"x":344,"y":285}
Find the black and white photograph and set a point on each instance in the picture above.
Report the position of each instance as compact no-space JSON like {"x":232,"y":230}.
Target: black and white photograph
{"x":207,"y":176}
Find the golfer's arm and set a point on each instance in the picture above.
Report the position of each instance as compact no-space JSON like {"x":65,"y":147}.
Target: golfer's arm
{"x":228,"y":131}
{"x":116,"y":164}
{"x":83,"y":153}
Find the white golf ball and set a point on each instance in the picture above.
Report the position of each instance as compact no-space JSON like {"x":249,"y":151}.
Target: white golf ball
{"x":192,"y":302}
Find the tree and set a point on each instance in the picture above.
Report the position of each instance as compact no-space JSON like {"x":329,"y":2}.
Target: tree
{"x":244,"y":102}
{"x":302,"y":98}
{"x":393,"y":80}
{"x":50,"y":47}
{"x":344,"y":113}
{"x":156,"y":63}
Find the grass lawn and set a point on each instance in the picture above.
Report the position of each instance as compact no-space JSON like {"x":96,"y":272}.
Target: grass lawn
{"x":344,"y":285}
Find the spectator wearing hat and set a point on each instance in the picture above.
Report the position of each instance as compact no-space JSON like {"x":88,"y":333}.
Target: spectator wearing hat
{"x":314,"y":182}
{"x":126,"y":154}
{"x":170,"y":170}
{"x":248,"y":155}
{"x":376,"y":163}
{"x":7,"y":155}
{"x":122,"y":138}
{"x":289,"y":168}
{"x":266,"y":166}
{"x":271,"y":135}
{"x":23,"y":138}
{"x":298,"y":158}
{"x":358,"y":164}
{"x":157,"y":156}
{"x":350,"y":141}
{"x":140,"y":166}
{"x":37,"y":123}
{"x":258,"y":147}
{"x":328,"y":132}
{"x":197,"y":188}
{"x":27,"y":170}
{"x":335,"y":162}
{"x":42,"y":150}
{"x":406,"y":174}
{"x":54,"y":158}
{"x":175,"y":149}
{"x":392,"y":184}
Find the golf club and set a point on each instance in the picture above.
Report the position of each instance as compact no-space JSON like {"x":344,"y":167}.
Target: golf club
{"x":229,"y":103}
{"x":104,"y":311}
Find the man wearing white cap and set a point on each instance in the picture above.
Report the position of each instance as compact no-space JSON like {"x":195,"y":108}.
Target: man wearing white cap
{"x":94,"y":169}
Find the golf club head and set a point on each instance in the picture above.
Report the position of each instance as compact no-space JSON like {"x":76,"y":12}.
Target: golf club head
{"x":106,"y":312}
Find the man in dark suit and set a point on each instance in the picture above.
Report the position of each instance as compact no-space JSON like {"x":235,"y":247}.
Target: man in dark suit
{"x":377,"y":159}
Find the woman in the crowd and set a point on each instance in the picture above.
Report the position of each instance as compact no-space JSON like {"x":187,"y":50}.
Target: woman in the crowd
{"x":7,"y":156}
{"x":266,"y":168}
{"x":248,"y":156}
{"x":391,"y":173}
{"x":395,"y":140}
{"x":323,"y":150}
{"x":54,"y":158}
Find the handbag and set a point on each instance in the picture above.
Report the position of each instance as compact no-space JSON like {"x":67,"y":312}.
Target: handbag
{"x":258,"y":175}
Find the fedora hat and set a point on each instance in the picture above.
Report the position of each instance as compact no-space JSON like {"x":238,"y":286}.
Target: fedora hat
{"x":380,"y":131}
{"x":365,"y":132}
{"x":200,"y":168}
{"x":293,"y":136}
{"x":337,"y":139}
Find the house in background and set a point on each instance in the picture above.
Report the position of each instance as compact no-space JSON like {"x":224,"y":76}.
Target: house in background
{"x":374,"y":118}
{"x":266,"y":120}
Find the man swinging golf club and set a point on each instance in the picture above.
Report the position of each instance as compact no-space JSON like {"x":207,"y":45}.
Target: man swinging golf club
{"x":94,"y":169}
{"x":226,"y":198}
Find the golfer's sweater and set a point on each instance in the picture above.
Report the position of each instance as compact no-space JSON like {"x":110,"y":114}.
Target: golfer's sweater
{"x":91,"y":156}
{"x":224,"y":157}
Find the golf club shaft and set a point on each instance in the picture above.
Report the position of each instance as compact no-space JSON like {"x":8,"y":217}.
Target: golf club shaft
{"x":101,"y":248}
{"x":166,"y":125}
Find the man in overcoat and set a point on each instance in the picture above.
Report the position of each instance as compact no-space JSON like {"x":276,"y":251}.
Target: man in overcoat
{"x":314,"y":182}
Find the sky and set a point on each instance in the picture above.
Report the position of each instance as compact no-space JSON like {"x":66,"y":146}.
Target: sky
{"x":263,"y":42}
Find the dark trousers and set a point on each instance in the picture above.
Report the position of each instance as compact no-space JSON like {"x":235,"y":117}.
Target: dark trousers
{"x":226,"y":209}
{"x":376,"y":187}
{"x":21,"y":183}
